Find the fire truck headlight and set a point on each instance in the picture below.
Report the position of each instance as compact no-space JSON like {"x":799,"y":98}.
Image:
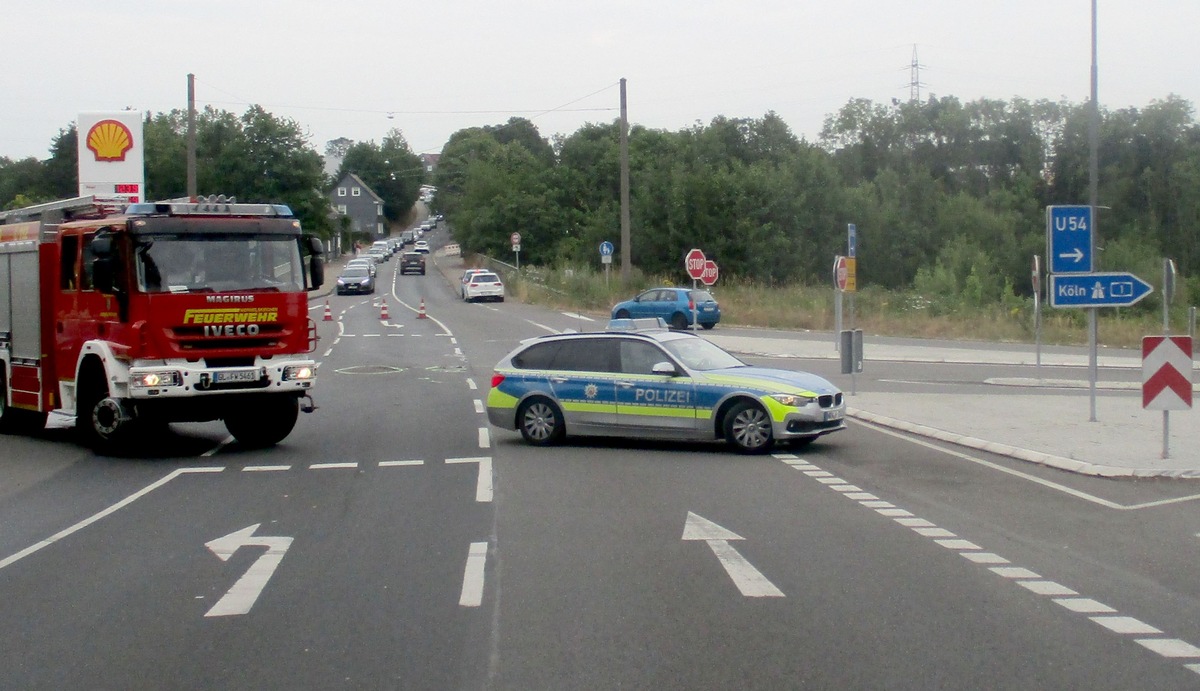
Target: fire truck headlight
{"x":298,"y":372}
{"x":153,"y":380}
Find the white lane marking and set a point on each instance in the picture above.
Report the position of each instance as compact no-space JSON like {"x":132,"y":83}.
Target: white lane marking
{"x":543,"y":326}
{"x":831,"y":481}
{"x":327,"y":352}
{"x":220,"y":445}
{"x":846,"y":488}
{"x":485,"y":439}
{"x":471,"y":385}
{"x":472,"y":587}
{"x":371,"y":335}
{"x":1047,"y":588}
{"x":877,"y":504}
{"x":958,"y":544}
{"x":995,"y":466}
{"x":893,"y":513}
{"x":933,"y":532}
{"x":66,"y":532}
{"x":394,"y":464}
{"x":574,"y":315}
{"x":861,"y":496}
{"x":749,"y":580}
{"x":1013,"y":572}
{"x":458,"y":352}
{"x":914,"y":522}
{"x":244,"y":593}
{"x":332,"y":466}
{"x":478,"y":406}
{"x":818,"y":473}
{"x":483,"y":484}
{"x":265,"y":468}
{"x":1084,"y":605}
{"x":1170,"y":647}
{"x":985,"y":558}
{"x":453,"y":341}
{"x":1125,"y":625}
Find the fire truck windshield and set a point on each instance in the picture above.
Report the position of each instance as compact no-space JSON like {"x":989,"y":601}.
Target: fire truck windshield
{"x":181,"y":263}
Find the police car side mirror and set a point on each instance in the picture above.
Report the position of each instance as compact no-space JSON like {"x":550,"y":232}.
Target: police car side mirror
{"x":665,"y":368}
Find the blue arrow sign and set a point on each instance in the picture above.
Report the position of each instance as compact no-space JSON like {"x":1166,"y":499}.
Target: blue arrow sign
{"x":1069,"y":239}
{"x":606,"y":249}
{"x":1097,"y":290}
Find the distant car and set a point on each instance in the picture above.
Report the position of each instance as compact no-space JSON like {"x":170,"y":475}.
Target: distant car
{"x":412,"y":262}
{"x":484,"y":286}
{"x":364,"y":261}
{"x":382,"y":245}
{"x":381,"y":255}
{"x":630,"y":381}
{"x":421,"y":246}
{"x":467,"y":277}
{"x":674,"y":305}
{"x":355,"y":279}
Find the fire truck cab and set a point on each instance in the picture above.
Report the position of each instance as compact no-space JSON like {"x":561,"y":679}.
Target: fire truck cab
{"x":132,"y":317}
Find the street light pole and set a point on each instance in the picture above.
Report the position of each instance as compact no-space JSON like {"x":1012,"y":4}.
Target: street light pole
{"x":1093,"y":194}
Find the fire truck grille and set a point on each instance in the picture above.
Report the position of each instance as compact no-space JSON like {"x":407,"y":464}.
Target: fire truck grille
{"x":193,"y":340}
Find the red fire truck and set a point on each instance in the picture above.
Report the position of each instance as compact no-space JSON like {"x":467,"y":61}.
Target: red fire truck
{"x":132,"y":317}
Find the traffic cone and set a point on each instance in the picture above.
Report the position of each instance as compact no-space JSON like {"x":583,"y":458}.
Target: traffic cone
{"x":421,"y":310}
{"x":328,"y":312}
{"x":383,"y":311}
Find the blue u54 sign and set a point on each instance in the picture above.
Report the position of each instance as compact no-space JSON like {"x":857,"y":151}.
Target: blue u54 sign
{"x":1069,"y":239}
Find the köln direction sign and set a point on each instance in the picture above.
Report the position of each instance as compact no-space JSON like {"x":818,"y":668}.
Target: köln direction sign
{"x":1097,"y":290}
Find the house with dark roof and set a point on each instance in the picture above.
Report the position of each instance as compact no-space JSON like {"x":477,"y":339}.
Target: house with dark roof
{"x":430,"y":161}
{"x":352,"y":198}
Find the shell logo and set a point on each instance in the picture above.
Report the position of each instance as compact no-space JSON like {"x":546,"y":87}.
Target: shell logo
{"x":109,"y":140}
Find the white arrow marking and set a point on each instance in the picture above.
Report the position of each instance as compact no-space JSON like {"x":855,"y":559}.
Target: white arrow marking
{"x":1077,"y":255}
{"x":242,"y":595}
{"x":748,"y":579}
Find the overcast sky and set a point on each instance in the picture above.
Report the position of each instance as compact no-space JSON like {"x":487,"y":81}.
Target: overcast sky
{"x":357,"y":69}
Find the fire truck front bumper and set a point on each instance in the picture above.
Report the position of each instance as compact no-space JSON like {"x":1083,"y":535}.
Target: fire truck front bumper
{"x":195,"y":379}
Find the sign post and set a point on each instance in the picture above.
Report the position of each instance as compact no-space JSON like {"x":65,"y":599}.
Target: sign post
{"x":606,"y":255}
{"x":1166,"y":378}
{"x":840,"y":276}
{"x":515,"y":238}
{"x":1037,"y":312}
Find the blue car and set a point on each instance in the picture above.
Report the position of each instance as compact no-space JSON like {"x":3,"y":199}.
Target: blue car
{"x":675,"y":306}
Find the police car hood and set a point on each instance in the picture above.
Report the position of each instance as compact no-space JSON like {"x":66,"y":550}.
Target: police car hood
{"x":779,"y":380}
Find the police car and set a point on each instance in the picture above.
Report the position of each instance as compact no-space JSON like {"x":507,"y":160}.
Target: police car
{"x":638,"y":379}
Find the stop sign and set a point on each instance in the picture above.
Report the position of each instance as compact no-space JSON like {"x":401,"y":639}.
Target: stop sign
{"x":709,"y":276}
{"x":694,"y":263}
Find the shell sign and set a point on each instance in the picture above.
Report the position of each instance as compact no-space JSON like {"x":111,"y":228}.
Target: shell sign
{"x":111,"y":154}
{"x":109,"y":140}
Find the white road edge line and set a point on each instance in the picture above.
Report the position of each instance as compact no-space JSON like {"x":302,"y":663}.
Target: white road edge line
{"x":393,"y":464}
{"x":483,"y":484}
{"x":8,"y":561}
{"x":472,"y":587}
{"x":331,"y":466}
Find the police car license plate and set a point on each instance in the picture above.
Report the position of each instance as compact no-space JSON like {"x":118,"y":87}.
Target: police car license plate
{"x":833,"y":415}
{"x":236,"y":376}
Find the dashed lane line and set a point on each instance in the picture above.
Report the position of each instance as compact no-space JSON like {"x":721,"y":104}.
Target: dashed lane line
{"x":1062,"y":595}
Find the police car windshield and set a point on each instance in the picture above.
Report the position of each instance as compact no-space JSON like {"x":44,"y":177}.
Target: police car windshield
{"x":698,"y":354}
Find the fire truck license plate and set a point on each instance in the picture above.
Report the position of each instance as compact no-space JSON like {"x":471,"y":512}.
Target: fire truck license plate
{"x":237,"y":375}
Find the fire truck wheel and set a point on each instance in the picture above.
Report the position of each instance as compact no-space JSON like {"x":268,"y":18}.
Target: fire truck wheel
{"x":103,"y":423}
{"x":265,"y":422}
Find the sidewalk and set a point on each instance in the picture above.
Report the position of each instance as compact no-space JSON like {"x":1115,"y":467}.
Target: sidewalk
{"x":1050,"y":426}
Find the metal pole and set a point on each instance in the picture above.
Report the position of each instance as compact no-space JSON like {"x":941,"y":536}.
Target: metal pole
{"x":626,"y":247}
{"x":191,"y":138}
{"x":1093,"y":194}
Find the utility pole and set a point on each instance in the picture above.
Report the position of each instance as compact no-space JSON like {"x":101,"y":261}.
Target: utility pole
{"x":914,"y":78}
{"x":626,"y":252}
{"x":191,"y":137}
{"x":1093,"y":195}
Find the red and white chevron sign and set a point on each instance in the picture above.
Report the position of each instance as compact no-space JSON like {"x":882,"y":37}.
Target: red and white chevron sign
{"x":1167,"y":372}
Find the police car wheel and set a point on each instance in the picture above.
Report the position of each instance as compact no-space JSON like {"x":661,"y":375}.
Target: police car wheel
{"x":541,"y":422}
{"x":748,"y":428}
